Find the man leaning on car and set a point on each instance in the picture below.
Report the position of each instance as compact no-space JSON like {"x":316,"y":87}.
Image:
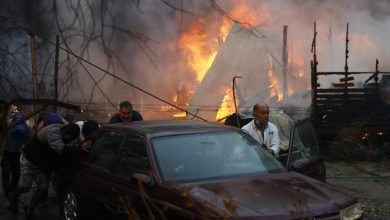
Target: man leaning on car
{"x":41,"y":156}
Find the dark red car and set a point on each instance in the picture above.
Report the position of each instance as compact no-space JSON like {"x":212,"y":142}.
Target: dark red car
{"x":198,"y":170}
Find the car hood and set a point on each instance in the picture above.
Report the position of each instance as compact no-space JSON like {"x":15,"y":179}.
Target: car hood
{"x":281,"y":195}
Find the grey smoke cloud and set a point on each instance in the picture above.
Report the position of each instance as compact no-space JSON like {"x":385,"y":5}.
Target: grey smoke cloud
{"x":149,"y":55}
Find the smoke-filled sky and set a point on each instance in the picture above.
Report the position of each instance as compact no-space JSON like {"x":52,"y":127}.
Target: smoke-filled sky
{"x":142,"y":41}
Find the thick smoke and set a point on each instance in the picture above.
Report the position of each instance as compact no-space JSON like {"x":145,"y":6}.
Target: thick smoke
{"x":139,"y":42}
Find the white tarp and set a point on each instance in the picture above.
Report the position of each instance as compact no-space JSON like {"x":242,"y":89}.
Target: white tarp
{"x":249,"y":53}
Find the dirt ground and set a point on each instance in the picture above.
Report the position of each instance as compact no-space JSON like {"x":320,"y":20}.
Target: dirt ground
{"x":368,"y":182}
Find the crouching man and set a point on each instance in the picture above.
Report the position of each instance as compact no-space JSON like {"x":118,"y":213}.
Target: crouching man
{"x":41,"y":155}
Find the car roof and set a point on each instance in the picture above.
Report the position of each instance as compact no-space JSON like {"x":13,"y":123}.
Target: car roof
{"x":167,"y":127}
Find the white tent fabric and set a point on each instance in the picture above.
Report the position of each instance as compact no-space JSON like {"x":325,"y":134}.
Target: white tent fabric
{"x":249,"y":53}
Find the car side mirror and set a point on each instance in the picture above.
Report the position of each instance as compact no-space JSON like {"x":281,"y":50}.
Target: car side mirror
{"x":143,"y":178}
{"x":300,"y":164}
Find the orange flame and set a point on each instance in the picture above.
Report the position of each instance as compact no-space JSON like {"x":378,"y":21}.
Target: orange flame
{"x":180,"y":99}
{"x":300,"y":73}
{"x":177,"y":100}
{"x":247,"y":15}
{"x":224,"y":30}
{"x":173,"y":111}
{"x":199,"y":50}
{"x":199,"y":45}
{"x":227,"y":106}
{"x":275,"y":84}
{"x":166,"y":108}
{"x":180,"y":115}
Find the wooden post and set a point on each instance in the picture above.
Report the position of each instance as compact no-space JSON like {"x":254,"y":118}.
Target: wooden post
{"x":346,"y":97}
{"x":346,"y":51}
{"x":31,"y":25}
{"x":56,"y":70}
{"x":34,"y":71}
{"x":285,"y":62}
{"x":314,"y":78}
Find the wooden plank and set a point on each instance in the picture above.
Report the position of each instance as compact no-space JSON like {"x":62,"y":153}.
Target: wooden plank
{"x":343,"y":122}
{"x":342,"y":73}
{"x":364,"y":111}
{"x":345,"y":102}
{"x":349,"y":90}
{"x":351,"y":116}
{"x":348,"y":98}
{"x":349,"y":73}
{"x":335,"y":127}
{"x":342,"y":85}
{"x":354,"y":95}
{"x":349,"y":102}
{"x":332,"y":106}
{"x":331,"y":119}
{"x":361,"y":111}
{"x":347,"y":79}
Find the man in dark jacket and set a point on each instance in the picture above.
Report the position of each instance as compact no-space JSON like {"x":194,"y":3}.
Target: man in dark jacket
{"x":126,"y":114}
{"x":41,"y":155}
{"x":10,"y":163}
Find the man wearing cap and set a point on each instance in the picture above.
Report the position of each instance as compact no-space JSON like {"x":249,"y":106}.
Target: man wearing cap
{"x":48,"y":119}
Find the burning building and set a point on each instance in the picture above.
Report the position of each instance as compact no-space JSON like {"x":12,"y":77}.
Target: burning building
{"x":187,"y":52}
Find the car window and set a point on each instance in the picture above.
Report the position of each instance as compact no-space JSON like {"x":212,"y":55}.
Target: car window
{"x":214,"y":155}
{"x":304,"y":142}
{"x":133,"y":156}
{"x":105,"y":149}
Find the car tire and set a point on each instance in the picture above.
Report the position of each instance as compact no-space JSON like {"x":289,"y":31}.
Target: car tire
{"x":71,"y":206}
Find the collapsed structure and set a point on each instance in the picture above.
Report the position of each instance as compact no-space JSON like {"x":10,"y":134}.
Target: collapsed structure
{"x":349,"y":102}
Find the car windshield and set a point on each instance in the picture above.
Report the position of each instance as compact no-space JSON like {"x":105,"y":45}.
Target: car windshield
{"x":209,"y":156}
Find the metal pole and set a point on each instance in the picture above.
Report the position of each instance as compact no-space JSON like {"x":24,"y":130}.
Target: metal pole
{"x":234,"y":99}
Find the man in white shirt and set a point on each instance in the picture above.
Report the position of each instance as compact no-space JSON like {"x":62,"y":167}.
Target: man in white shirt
{"x":262,"y":130}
